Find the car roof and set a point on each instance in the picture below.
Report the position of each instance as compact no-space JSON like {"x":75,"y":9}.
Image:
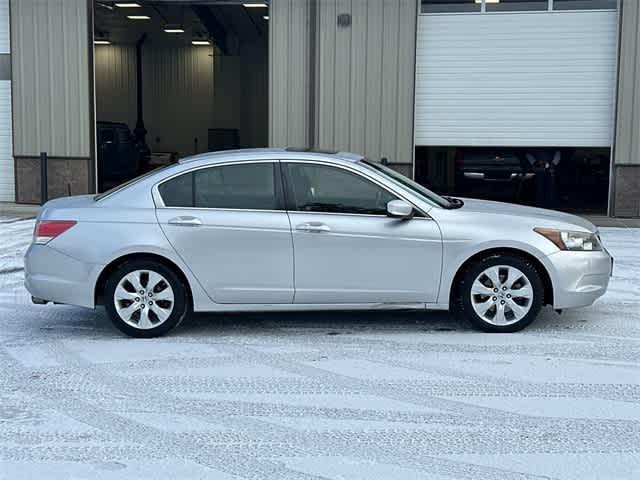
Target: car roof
{"x":271,"y":153}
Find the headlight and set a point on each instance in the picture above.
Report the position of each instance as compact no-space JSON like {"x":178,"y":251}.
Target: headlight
{"x":567,"y":240}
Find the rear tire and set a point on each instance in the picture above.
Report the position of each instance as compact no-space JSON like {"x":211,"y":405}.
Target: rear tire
{"x":145,"y":299}
{"x":500,"y":293}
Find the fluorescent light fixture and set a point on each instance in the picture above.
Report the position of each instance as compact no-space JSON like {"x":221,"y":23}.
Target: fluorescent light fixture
{"x":488,"y":1}
{"x":200,"y":42}
{"x":254,"y":5}
{"x":266,"y":17}
{"x":173,"y":29}
{"x":102,"y":42}
{"x":138,"y":17}
{"x":128,"y":4}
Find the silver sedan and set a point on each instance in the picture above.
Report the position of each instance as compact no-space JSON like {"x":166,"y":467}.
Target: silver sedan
{"x":287,"y":229}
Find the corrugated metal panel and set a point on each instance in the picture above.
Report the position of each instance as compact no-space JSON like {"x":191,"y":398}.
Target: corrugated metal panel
{"x":516,"y":79}
{"x":627,"y":146}
{"x":177,"y":93}
{"x":115,"y":77}
{"x":4,"y":27}
{"x":7,"y":178}
{"x":186,"y":91}
{"x":365,"y":77}
{"x":7,"y":183}
{"x":241,"y":93}
{"x":51,"y":77}
{"x":289,"y":25}
{"x":178,"y":88}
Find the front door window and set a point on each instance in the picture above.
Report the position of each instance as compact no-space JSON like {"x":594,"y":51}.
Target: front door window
{"x":322,"y":188}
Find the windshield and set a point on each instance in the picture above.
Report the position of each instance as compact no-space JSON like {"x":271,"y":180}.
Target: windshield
{"x":102,"y":195}
{"x":416,"y":188}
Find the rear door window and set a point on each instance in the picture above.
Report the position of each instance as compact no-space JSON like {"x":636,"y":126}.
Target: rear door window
{"x":244,"y":186}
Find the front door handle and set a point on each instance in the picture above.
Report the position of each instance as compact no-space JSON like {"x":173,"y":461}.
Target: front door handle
{"x":185,"y":221}
{"x":313,"y":227}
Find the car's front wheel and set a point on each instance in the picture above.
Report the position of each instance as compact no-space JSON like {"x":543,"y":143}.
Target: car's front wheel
{"x":500,"y":293}
{"x":145,"y":298}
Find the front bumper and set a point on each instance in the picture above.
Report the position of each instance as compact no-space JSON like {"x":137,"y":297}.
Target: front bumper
{"x":53,"y":276}
{"x":579,"y":278}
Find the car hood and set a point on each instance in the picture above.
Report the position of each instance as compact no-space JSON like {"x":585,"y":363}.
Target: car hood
{"x":538,"y":216}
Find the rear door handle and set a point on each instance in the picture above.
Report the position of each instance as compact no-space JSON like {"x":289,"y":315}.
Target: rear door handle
{"x":185,"y":221}
{"x":313,"y":227}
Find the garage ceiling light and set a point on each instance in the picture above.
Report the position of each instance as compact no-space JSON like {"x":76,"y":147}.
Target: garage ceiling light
{"x":266,"y":17}
{"x":254,"y":5}
{"x":488,"y":1}
{"x":128,"y":5}
{"x":200,"y":42}
{"x":173,"y":29}
{"x":138,"y":17}
{"x":102,"y":42}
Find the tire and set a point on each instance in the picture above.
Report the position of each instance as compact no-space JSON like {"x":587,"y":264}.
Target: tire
{"x":143,"y":313}
{"x":515,"y":304}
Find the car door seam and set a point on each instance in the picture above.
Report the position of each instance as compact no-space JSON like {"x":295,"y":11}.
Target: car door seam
{"x":186,"y":265}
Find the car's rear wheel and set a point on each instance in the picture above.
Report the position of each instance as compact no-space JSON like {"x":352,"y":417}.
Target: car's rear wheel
{"x":145,"y":298}
{"x":500,"y":293}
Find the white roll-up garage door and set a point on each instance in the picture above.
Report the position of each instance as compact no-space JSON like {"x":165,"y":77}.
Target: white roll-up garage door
{"x":7,"y":178}
{"x":516,"y":79}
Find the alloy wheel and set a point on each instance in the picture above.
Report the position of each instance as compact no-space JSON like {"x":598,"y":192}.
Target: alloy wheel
{"x":501,"y":295}
{"x":143,"y":299}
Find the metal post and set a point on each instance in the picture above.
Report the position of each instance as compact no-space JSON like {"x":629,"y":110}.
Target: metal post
{"x":44,"y":195}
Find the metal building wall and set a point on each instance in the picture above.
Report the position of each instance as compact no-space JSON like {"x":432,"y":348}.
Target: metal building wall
{"x":52,"y":107}
{"x":365,"y":78}
{"x":115,"y":79}
{"x":7,"y":177}
{"x":177,"y":92}
{"x":626,"y":171}
{"x":289,"y":82}
{"x":345,"y":87}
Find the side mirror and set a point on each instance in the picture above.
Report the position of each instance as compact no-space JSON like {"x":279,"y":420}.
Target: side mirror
{"x":399,"y":209}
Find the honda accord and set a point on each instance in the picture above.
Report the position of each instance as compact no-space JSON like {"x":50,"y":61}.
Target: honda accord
{"x":293,"y":229}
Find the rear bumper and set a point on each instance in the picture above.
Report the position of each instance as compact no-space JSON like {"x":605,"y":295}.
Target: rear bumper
{"x":579,"y":277}
{"x":53,"y":276}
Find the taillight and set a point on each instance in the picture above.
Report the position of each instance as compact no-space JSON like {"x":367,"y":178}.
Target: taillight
{"x":47,"y":230}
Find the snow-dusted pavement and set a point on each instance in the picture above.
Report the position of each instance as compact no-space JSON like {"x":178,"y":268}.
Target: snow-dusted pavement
{"x":308,"y":396}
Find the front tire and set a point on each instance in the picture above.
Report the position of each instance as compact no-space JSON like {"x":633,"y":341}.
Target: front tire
{"x":145,"y":299}
{"x":500,"y":293}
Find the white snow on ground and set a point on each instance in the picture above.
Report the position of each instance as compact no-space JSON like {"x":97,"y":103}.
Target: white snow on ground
{"x":362,"y":396}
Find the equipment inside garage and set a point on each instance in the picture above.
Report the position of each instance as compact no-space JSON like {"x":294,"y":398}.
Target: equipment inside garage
{"x":176,"y":78}
{"x":523,"y":112}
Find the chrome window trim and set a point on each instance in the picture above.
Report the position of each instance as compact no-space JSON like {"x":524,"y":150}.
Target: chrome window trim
{"x":426,"y":217}
{"x":159,"y":202}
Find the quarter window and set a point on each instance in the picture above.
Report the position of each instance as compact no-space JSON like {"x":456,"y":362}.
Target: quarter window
{"x":250,"y":186}
{"x":321,"y":188}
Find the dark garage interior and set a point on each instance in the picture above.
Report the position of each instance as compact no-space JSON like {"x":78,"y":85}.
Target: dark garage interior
{"x":174,"y":79}
{"x":572,"y":179}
